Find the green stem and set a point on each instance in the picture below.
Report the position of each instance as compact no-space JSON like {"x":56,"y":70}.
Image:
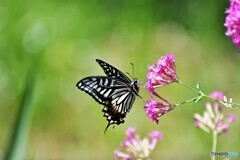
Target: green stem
{"x":214,"y":144}
{"x":223,"y":101}
{"x":232,"y":103}
{"x":187,"y":86}
{"x":204,"y":95}
{"x":187,"y":101}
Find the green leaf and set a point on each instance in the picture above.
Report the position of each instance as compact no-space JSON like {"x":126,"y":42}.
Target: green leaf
{"x":198,"y":87}
{"x":197,"y":99}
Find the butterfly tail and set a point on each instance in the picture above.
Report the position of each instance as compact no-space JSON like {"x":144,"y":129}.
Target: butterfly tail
{"x":107,"y":127}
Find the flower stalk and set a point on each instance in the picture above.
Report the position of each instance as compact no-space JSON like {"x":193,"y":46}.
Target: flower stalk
{"x":214,"y":143}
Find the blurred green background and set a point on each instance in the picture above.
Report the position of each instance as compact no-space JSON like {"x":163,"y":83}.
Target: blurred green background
{"x":46,"y":47}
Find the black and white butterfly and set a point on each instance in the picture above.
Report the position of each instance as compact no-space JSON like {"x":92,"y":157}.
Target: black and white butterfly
{"x":116,"y":92}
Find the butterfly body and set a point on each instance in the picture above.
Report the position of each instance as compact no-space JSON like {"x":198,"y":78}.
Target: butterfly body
{"x":116,"y":92}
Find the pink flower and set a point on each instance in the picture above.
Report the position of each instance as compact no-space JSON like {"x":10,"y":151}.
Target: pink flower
{"x":130,"y":132}
{"x":125,"y":156}
{"x":217,"y":95}
{"x":232,"y":22}
{"x":137,"y":148}
{"x":231,"y":118}
{"x":155,"y":136}
{"x":154,"y":109}
{"x":161,"y":73}
{"x":213,"y":119}
{"x":222,"y":127}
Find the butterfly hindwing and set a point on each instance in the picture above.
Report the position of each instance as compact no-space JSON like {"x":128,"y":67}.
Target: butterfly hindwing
{"x":112,"y":117}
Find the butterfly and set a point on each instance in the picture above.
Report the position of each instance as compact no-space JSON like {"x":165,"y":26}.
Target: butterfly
{"x":116,"y":92}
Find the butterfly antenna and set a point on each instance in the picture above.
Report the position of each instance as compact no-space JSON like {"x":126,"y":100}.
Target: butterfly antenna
{"x":129,"y":74}
{"x":132,"y":70}
{"x":107,"y":127}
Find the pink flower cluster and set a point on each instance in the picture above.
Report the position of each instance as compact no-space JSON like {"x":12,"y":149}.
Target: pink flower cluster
{"x":159,"y":74}
{"x":213,"y":118}
{"x":232,"y":22}
{"x":155,"y":110}
{"x":135,"y":147}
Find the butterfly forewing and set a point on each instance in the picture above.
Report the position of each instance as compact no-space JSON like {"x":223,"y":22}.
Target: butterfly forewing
{"x":114,"y":91}
{"x":111,"y":71}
